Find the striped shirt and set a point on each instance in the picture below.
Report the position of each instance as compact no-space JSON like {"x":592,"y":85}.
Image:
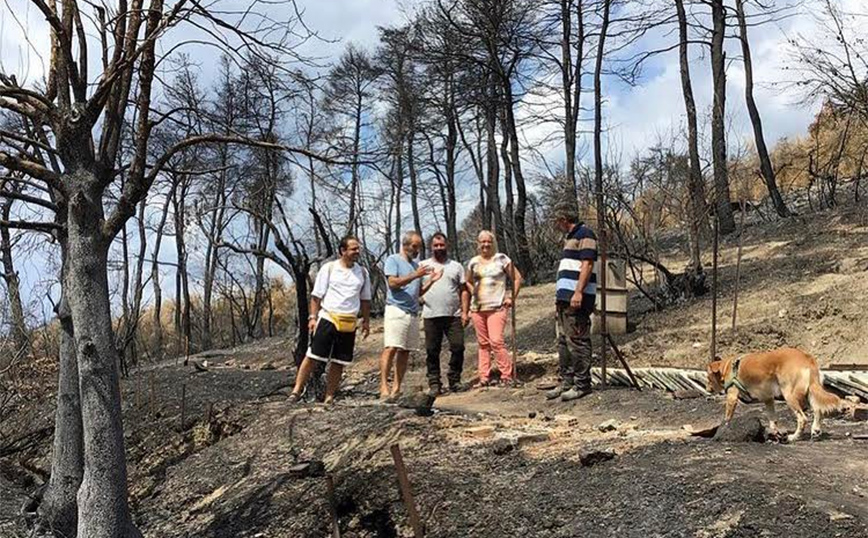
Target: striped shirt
{"x":579,"y":245}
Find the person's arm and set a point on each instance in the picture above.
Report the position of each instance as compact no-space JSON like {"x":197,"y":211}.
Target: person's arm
{"x":586,"y":269}
{"x":469,"y":283}
{"x":366,"y":318}
{"x":464,"y":297}
{"x":314,"y":312}
{"x":320,"y":288}
{"x":397,"y":282}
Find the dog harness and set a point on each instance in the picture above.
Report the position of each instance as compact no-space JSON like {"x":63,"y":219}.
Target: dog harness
{"x":732,"y":381}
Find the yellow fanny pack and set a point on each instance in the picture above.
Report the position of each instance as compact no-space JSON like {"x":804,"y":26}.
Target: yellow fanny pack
{"x":345,"y":323}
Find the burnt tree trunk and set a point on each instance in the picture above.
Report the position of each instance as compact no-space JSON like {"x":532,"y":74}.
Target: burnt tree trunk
{"x":182,"y":291}
{"x":354,"y":185}
{"x":102,"y":498}
{"x":726,"y":220}
{"x":10,"y":277}
{"x":571,"y":84}
{"x":155,"y":278}
{"x":58,"y":511}
{"x":451,"y":146}
{"x":493,"y":188}
{"x":697,"y":221}
{"x":399,"y":192}
{"x":766,"y":169}
{"x":598,"y":177}
{"x":522,"y":248}
{"x":414,"y":185}
{"x":509,"y":203}
{"x":476,"y":160}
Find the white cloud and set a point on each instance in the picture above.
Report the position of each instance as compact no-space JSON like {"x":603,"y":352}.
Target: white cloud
{"x":636,"y":116}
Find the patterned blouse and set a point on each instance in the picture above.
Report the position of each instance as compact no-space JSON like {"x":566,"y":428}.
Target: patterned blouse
{"x":489,"y":282}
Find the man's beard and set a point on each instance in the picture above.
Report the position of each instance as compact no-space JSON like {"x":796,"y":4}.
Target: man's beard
{"x":440,"y":255}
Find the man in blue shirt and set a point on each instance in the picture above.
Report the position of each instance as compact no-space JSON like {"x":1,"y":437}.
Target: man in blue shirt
{"x":401,"y":318}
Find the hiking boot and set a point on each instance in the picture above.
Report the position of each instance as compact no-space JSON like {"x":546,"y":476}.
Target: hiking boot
{"x":556,"y":392}
{"x":510,"y":384}
{"x":574,"y":393}
{"x":435,"y":390}
{"x":458,"y":387}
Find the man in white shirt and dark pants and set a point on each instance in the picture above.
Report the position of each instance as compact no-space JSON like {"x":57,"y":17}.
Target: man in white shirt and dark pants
{"x":342,"y":290}
{"x":445,"y":312}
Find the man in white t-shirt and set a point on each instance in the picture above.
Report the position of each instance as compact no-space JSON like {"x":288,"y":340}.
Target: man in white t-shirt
{"x":445,"y":312}
{"x":342,"y":289}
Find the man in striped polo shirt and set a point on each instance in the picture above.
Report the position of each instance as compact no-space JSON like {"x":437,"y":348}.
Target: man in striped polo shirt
{"x":576,"y":295}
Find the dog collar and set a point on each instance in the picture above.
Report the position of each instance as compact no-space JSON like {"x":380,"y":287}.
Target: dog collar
{"x":732,"y":380}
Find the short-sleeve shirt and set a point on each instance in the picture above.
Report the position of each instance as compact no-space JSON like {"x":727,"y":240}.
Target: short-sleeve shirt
{"x":489,"y":282}
{"x":580,"y":245}
{"x":443,"y":298}
{"x":340,"y":289}
{"x":407,"y":297}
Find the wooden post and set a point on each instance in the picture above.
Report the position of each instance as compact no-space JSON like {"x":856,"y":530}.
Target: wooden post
{"x":186,"y":350}
{"x":183,"y":405}
{"x":624,"y":363}
{"x":406,"y":492}
{"x":514,"y":337}
{"x":152,"y":399}
{"x":604,"y":329}
{"x":138,"y":400}
{"x":714,"y":249}
{"x":738,"y":266}
{"x":333,"y":506}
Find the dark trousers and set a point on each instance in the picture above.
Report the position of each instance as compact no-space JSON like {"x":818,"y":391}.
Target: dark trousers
{"x":453,"y":330}
{"x":574,"y":346}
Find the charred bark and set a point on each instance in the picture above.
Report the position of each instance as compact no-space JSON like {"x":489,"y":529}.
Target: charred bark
{"x":718,"y":118}
{"x":766,"y":169}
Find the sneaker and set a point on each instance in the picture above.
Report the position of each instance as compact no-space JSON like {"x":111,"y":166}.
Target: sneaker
{"x":574,"y":393}
{"x":435,"y":390}
{"x":294,"y":397}
{"x":556,"y":392}
{"x":510,"y":384}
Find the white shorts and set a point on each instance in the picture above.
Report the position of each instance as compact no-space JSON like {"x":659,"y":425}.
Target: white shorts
{"x":400,"y":329}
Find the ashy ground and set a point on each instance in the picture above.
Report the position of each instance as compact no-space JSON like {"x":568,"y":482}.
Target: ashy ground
{"x":491,"y":462}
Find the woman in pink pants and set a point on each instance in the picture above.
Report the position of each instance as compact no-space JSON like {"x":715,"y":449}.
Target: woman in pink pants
{"x":487,"y":276}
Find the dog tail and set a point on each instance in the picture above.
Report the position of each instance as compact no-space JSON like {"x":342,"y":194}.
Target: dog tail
{"x":822,"y":401}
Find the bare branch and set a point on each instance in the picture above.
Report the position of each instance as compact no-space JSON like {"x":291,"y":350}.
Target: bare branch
{"x":32,"y":169}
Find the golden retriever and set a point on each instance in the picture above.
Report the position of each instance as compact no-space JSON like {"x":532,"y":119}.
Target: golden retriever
{"x":786,"y":372}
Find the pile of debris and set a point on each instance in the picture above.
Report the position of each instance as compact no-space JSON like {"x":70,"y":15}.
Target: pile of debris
{"x":846,"y":382}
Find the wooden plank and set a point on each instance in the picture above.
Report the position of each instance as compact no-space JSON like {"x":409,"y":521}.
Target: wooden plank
{"x":849,"y":367}
{"x":406,"y":492}
{"x":845,"y":386}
